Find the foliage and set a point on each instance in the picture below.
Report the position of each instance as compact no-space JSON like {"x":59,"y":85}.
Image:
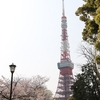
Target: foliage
{"x":71,"y":98}
{"x":25,"y":89}
{"x":87,"y":86}
{"x":89,"y":13}
{"x":97,"y":45}
{"x":97,"y":59}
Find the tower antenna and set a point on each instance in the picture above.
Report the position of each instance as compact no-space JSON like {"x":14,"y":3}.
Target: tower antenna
{"x":63,"y":11}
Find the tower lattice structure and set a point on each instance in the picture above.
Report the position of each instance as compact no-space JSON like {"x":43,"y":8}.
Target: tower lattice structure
{"x":65,"y":65}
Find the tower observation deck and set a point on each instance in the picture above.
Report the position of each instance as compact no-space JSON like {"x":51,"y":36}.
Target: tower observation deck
{"x":65,"y":65}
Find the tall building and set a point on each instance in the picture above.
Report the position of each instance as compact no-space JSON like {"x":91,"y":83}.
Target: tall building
{"x":65,"y":65}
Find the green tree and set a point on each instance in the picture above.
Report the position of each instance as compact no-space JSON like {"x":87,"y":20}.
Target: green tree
{"x":86,"y":86}
{"x":89,"y":13}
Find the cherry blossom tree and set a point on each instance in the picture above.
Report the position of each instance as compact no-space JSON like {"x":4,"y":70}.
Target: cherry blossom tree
{"x":25,"y":89}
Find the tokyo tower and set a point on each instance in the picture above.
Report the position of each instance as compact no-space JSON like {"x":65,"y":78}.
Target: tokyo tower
{"x":65,"y":65}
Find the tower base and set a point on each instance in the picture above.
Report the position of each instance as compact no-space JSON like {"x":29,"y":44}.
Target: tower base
{"x":63,"y":91}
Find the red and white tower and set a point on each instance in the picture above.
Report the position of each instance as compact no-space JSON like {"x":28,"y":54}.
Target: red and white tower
{"x":65,"y":65}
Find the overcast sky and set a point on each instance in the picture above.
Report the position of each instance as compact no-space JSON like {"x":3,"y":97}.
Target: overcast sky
{"x":30,"y":37}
